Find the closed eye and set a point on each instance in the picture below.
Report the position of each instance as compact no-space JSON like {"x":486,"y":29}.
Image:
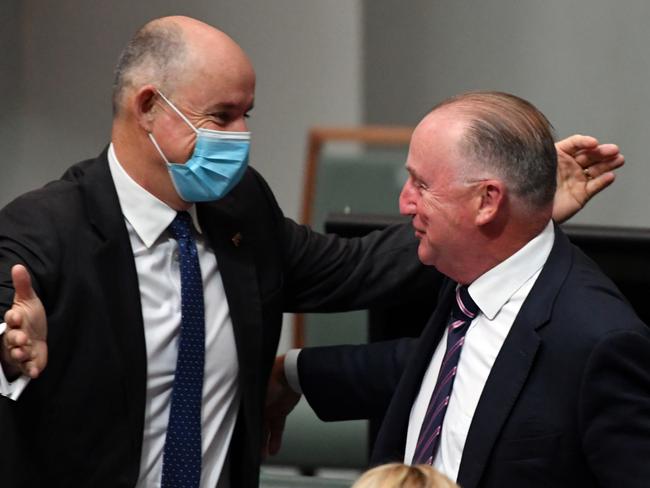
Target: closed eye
{"x":224,"y":118}
{"x":221,"y":116}
{"x":420,"y":185}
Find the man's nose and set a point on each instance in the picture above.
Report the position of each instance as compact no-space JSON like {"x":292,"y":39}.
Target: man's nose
{"x":406,"y":200}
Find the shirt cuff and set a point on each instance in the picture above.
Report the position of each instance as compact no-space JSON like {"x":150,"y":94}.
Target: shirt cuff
{"x":291,"y":369}
{"x":11,"y":389}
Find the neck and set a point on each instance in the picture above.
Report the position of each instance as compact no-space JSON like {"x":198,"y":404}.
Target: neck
{"x":493,"y":248}
{"x":144,"y":165}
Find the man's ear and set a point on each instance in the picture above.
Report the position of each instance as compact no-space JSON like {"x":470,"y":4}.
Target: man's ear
{"x":144,"y":106}
{"x":491,"y":196}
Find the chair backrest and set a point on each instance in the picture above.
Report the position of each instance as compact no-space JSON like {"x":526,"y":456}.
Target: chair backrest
{"x":367,"y":179}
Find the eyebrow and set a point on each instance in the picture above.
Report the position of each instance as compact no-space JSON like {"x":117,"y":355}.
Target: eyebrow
{"x":229,"y":106}
{"x":414,"y":174}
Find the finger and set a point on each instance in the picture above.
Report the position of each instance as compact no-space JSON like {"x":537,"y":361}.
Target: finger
{"x":16,"y":338}
{"x":599,"y":183}
{"x":606,"y":166}
{"x":276,"y":429}
{"x":604,"y":152}
{"x":22,"y":283}
{"x":20,"y":354}
{"x":577,"y":142}
{"x":32,"y":370}
{"x":13,"y":319}
{"x":265,"y":444}
{"x":38,"y":360}
{"x":587,"y":161}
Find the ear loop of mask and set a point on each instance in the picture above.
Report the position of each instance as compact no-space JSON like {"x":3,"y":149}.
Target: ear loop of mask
{"x":180,"y":114}
{"x":162,"y":154}
{"x":229,"y":134}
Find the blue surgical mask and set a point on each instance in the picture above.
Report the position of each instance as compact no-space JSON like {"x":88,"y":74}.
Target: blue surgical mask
{"x":217,"y":164}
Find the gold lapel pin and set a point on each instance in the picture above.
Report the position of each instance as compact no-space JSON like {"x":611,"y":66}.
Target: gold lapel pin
{"x":236,"y":239}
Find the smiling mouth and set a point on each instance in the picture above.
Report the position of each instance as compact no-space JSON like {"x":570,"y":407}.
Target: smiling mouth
{"x":418,"y":232}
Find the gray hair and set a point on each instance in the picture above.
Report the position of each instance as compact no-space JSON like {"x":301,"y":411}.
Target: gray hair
{"x":154,"y":55}
{"x":510,"y":137}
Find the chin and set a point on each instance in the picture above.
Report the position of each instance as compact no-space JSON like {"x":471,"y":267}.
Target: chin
{"x":425,"y":256}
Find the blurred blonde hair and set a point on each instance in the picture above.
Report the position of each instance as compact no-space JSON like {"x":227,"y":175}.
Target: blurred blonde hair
{"x":396,"y":475}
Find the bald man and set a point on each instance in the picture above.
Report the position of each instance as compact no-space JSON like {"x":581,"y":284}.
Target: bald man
{"x":533,"y":371}
{"x":154,"y":277}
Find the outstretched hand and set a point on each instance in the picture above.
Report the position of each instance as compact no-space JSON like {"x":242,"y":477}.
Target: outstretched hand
{"x":280,"y":401}
{"x":584,"y":168}
{"x":24,"y":347}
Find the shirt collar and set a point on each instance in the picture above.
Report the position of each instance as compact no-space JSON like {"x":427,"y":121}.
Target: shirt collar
{"x":492,"y":290}
{"x":148,"y":215}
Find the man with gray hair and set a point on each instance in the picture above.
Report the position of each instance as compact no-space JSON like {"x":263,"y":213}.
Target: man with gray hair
{"x":534,"y":370}
{"x":154,"y":277}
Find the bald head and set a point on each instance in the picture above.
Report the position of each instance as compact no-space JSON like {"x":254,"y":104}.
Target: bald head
{"x":176,"y":76}
{"x":506,"y":136}
{"x":481,"y":182}
{"x":173,"y":51}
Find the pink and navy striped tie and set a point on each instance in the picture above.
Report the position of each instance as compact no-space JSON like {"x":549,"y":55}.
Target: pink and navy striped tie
{"x":182,"y":451}
{"x":462,"y":313}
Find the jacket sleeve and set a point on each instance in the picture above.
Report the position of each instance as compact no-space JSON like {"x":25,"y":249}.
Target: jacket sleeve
{"x":352,"y":382}
{"x":327,"y":273}
{"x":615,"y":409}
{"x":29,"y":236}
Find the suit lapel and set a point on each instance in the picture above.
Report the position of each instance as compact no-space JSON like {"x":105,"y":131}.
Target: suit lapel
{"x":114,"y":266}
{"x":512,"y":366}
{"x":501,"y":390}
{"x":391,"y":439}
{"x":225,"y":231}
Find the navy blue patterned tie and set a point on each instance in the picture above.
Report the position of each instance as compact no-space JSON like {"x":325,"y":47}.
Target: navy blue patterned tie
{"x":182,"y":453}
{"x":462,"y":313}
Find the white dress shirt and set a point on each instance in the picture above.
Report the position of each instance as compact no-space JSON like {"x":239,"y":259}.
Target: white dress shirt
{"x":499,"y":294}
{"x":157,"y":264}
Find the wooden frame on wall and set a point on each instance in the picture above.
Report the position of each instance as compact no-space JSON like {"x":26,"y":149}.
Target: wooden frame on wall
{"x":317,"y":138}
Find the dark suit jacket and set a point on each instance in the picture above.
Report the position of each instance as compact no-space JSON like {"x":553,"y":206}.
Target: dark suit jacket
{"x":566,"y":404}
{"x":81,"y":422}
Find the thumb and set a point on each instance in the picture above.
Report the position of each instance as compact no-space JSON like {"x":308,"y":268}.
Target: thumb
{"x":22,"y":283}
